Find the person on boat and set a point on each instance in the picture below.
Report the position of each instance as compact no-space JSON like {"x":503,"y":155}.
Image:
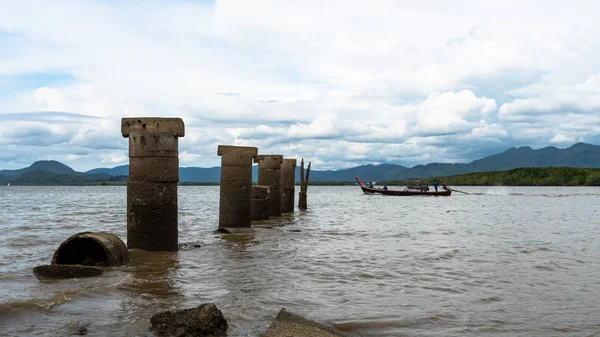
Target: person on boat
{"x":435,"y":184}
{"x":370,"y":184}
{"x":385,"y":187}
{"x":444,"y":186}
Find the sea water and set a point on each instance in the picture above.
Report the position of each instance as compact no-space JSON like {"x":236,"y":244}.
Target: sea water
{"x":499,"y":261}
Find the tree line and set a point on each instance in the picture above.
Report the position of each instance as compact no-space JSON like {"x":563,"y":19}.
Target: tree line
{"x":530,"y":176}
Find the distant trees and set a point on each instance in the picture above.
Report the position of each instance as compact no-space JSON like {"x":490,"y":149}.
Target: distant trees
{"x":531,"y":176}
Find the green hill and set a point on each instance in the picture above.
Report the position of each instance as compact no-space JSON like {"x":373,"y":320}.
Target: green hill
{"x":52,"y":166}
{"x":37,"y":178}
{"x":531,"y":176}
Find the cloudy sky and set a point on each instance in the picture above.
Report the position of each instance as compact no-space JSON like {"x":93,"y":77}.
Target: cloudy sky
{"x":342,"y":83}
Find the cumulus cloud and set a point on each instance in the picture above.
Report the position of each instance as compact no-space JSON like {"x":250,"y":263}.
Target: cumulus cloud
{"x":343,"y":83}
{"x":561,"y":139}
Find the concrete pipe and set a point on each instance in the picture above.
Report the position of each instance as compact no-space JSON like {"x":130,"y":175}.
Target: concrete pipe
{"x":92,"y":249}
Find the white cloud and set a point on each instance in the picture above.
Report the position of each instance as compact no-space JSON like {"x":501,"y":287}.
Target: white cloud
{"x":49,"y":99}
{"x":561,"y":139}
{"x":342,"y":82}
{"x":114,"y":159}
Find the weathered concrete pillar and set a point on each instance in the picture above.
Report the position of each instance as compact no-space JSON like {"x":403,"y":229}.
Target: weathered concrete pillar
{"x":288,"y":180}
{"x":152,"y":184}
{"x":303,"y":185}
{"x":236,"y":187}
{"x":269,"y":174}
{"x":260,"y":203}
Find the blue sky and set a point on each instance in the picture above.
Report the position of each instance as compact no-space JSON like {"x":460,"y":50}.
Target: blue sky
{"x":342,"y":83}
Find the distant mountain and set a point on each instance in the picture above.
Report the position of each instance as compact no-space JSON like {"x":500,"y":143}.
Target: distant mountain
{"x":200,"y":174}
{"x":52,"y":166}
{"x":579,"y":155}
{"x":122,"y":170}
{"x":195,"y":174}
{"x":36,"y":178}
{"x":42,"y":165}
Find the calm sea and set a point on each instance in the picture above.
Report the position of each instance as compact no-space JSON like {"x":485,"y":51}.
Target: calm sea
{"x":501,"y":261}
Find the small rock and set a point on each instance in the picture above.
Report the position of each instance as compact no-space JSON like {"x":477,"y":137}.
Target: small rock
{"x":205,"y":320}
{"x":287,"y":324}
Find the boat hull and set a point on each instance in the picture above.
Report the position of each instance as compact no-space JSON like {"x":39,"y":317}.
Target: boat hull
{"x":369,"y":190}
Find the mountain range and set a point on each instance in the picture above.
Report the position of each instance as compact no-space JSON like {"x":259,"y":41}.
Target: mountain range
{"x":52,"y":172}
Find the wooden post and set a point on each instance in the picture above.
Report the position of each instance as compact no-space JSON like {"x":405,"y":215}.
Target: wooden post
{"x":303,"y":185}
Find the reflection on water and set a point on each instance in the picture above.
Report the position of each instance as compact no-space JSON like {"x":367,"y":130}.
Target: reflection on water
{"x":152,"y":275}
{"x":501,"y":261}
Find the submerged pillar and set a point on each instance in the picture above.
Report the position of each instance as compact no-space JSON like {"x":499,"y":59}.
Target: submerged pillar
{"x":152,"y":184}
{"x":303,"y":185}
{"x":236,"y":187}
{"x":288,"y":180}
{"x":260,"y":203}
{"x":269,"y":174}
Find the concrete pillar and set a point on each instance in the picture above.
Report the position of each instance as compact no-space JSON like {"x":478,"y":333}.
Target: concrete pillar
{"x":236,"y":187}
{"x":288,"y":179}
{"x":260,"y":203}
{"x":269,"y":174}
{"x":152,"y":184}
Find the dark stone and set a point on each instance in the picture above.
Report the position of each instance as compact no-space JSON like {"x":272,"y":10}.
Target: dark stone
{"x":92,"y":249}
{"x":205,"y":320}
{"x":63,"y":271}
{"x":287,"y":324}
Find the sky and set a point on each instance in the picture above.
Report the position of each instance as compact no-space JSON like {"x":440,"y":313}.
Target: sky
{"x":339,"y":83}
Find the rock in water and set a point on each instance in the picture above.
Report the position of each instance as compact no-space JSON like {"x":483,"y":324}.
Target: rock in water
{"x":205,"y":320}
{"x":287,"y":324}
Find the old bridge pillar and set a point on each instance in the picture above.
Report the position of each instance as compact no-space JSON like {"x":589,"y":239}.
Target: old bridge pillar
{"x":236,"y":187}
{"x":152,"y":184}
{"x":260,"y":203}
{"x":269,"y":174}
{"x":288,"y":180}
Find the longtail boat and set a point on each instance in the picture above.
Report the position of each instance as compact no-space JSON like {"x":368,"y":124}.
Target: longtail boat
{"x":408,"y":191}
